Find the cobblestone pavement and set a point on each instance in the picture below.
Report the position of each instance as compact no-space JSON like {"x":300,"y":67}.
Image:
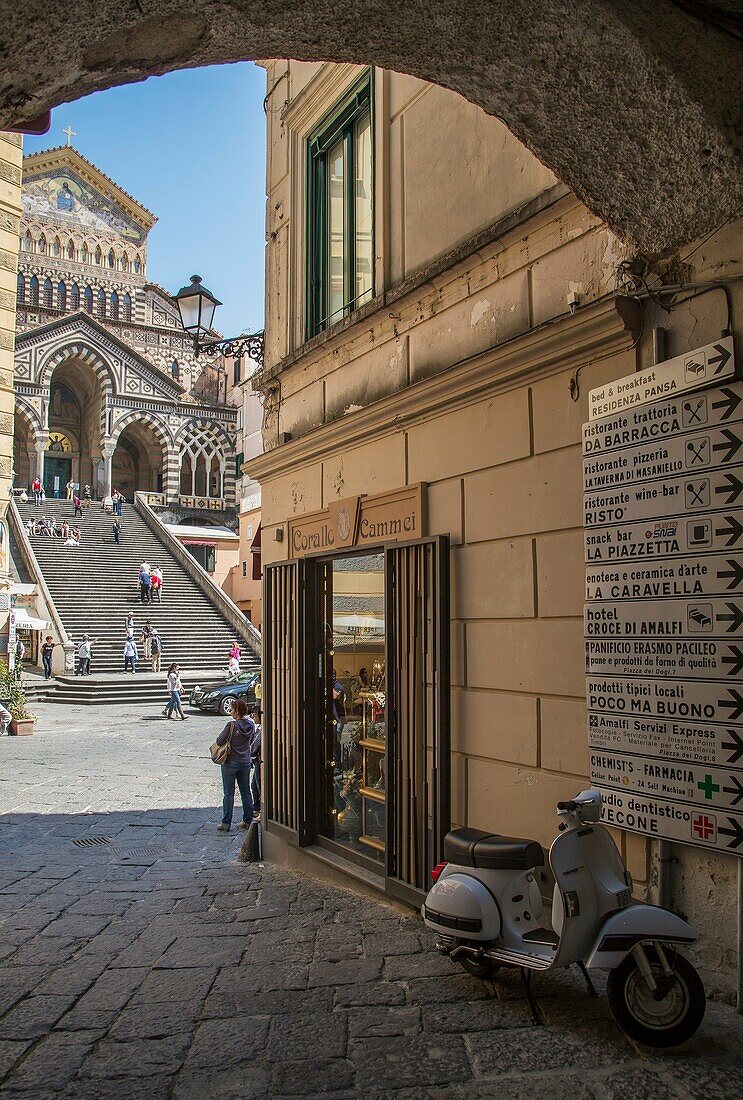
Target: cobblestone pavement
{"x":154,"y":965}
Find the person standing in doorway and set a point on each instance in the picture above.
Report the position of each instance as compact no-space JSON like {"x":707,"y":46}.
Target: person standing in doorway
{"x":175,"y":687}
{"x":156,"y":648}
{"x":255,"y":777}
{"x":78,"y":505}
{"x":131,"y":653}
{"x":47,"y":652}
{"x":70,"y":488}
{"x":240,"y":732}
{"x":36,"y":490}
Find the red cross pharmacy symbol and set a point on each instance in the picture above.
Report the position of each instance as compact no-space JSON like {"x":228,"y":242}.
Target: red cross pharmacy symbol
{"x":704,"y":827}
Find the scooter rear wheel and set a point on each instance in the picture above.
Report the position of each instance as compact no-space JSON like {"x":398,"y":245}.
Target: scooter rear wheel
{"x":485,"y":969}
{"x":656,"y":1021}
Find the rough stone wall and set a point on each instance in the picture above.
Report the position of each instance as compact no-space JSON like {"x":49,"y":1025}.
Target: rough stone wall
{"x":635,"y":106}
{"x":10,"y":213}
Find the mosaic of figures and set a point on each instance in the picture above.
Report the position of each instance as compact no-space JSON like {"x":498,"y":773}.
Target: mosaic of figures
{"x":62,"y":196}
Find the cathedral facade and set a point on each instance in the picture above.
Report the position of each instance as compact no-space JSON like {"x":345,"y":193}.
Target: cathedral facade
{"x":109,"y":392}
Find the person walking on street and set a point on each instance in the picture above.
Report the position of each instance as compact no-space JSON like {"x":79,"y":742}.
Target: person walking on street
{"x":255,"y":777}
{"x":83,"y":652}
{"x":147,"y":640}
{"x":117,"y":531}
{"x":156,"y":648}
{"x":47,"y":652}
{"x":131,"y":653}
{"x":70,"y":488}
{"x":145,"y":582}
{"x":175,"y":687}
{"x":87,"y":496}
{"x":78,"y":505}
{"x":36,"y":490}
{"x":240,"y":733}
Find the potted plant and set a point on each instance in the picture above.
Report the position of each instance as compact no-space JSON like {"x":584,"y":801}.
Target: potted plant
{"x":14,"y":698}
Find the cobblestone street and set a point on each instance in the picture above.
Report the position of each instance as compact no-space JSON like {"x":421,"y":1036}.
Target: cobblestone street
{"x":154,"y":965}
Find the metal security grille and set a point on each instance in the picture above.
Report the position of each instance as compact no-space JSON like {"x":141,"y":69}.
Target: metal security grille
{"x":418,"y":715}
{"x":281,"y":655}
{"x":91,"y":841}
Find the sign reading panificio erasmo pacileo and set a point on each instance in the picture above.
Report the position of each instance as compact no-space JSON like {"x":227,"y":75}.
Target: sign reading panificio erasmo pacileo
{"x":663,"y":539}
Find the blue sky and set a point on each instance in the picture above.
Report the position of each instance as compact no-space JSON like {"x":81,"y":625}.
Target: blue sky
{"x":190,"y":146}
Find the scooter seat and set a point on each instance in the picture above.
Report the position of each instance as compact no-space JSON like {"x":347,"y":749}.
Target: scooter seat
{"x":475,"y":848}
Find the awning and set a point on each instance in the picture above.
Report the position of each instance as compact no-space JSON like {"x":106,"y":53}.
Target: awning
{"x":255,"y":550}
{"x":28,"y":622}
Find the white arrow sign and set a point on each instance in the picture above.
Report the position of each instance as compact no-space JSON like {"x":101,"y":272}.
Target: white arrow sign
{"x":711,"y":575}
{"x":711,"y":364}
{"x":691,"y":658}
{"x":673,"y":821}
{"x":703,"y":492}
{"x":697,"y":742}
{"x":666,"y":538}
{"x":672,"y":779}
{"x":710,"y":618}
{"x":706,"y":450}
{"x":680,"y":700}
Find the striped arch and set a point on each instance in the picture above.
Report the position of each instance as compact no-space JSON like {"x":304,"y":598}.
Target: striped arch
{"x":162,"y":431}
{"x":92,"y":358}
{"x":31,"y":417}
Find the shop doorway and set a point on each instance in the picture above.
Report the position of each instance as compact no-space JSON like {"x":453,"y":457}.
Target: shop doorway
{"x":57,"y":472}
{"x":356,"y":708}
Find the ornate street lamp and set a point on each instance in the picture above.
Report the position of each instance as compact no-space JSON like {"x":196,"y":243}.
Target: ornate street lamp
{"x":197,"y":306}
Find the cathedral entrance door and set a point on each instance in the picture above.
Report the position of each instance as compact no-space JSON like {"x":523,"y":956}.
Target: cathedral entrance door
{"x":57,"y":472}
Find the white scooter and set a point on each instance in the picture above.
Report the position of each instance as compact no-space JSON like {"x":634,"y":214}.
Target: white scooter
{"x":487,"y":909}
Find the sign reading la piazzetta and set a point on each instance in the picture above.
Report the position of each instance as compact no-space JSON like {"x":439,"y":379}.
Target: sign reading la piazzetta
{"x":663,"y":539}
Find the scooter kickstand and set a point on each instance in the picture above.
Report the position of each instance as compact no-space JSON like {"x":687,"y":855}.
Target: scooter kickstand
{"x":526,"y":979}
{"x":592,"y":991}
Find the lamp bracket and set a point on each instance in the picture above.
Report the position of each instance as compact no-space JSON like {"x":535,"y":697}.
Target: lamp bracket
{"x":249,"y":343}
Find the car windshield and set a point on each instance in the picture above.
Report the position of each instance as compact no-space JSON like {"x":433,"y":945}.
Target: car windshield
{"x":245,"y":678}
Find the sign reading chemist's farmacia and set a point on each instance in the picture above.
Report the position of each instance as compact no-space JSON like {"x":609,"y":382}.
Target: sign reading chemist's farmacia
{"x":395,"y":516}
{"x":663,"y":535}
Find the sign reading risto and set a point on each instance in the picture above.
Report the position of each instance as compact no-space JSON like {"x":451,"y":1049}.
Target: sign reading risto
{"x":396,"y":516}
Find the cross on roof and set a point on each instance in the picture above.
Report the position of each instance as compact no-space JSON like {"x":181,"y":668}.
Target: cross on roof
{"x":70,"y":134}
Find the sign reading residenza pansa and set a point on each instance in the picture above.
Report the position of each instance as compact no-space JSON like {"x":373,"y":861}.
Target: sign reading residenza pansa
{"x":395,"y":516}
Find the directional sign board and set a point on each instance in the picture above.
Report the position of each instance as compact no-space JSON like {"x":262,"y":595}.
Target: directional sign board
{"x":674,"y":820}
{"x":663,"y":541}
{"x":679,"y":537}
{"x":711,"y":364}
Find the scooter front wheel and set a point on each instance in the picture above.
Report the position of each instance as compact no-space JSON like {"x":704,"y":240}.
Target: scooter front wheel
{"x":663,"y":1018}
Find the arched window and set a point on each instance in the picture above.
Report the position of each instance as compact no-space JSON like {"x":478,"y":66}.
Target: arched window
{"x":111,"y":258}
{"x":28,"y":244}
{"x":175,"y":370}
{"x":101,"y":303}
{"x":137,"y":264}
{"x":48,"y":293}
{"x":21,"y":291}
{"x":88,"y":296}
{"x":70,"y":249}
{"x":127,"y":307}
{"x":56,"y":247}
{"x":114,"y":306}
{"x":34,"y":291}
{"x":61,"y":296}
{"x":125,"y":262}
{"x":98,"y":254}
{"x":42,"y":243}
{"x":85,"y":253}
{"x":74,"y":297}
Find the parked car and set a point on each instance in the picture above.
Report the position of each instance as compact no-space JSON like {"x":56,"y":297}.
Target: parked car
{"x":218,"y":698}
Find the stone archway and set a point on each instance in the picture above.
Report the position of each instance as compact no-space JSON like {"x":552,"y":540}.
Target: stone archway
{"x":75,"y":414}
{"x":28,"y":437}
{"x":634,"y":106}
{"x":139,"y":460}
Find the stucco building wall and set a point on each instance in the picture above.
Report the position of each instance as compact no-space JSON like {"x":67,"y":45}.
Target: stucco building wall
{"x":469,"y":371}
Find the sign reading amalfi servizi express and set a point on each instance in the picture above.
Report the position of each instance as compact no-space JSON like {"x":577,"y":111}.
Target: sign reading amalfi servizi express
{"x":663,"y":540}
{"x":395,"y":516}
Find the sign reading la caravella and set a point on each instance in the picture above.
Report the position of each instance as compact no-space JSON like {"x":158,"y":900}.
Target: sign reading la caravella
{"x":396,"y":516}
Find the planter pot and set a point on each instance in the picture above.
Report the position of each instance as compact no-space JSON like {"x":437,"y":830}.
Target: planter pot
{"x":23,"y":727}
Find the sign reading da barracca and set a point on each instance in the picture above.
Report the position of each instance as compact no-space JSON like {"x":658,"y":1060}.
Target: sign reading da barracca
{"x":711,"y":364}
{"x":396,"y":516}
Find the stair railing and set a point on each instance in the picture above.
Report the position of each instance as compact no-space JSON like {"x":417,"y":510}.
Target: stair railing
{"x":230,"y":610}
{"x":20,"y":534}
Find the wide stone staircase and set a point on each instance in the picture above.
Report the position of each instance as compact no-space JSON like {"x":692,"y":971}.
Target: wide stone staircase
{"x":95,"y":585}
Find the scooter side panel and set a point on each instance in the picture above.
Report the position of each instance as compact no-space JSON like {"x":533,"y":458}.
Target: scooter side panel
{"x":461,"y":906}
{"x":621,"y":931}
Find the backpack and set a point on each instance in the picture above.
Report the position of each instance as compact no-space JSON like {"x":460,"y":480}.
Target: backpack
{"x":156,"y":646}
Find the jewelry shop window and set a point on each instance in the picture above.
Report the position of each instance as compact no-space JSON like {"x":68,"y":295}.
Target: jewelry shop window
{"x":340,"y":211}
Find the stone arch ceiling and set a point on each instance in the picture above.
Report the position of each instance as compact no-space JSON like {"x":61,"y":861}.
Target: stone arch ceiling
{"x":635,"y":106}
